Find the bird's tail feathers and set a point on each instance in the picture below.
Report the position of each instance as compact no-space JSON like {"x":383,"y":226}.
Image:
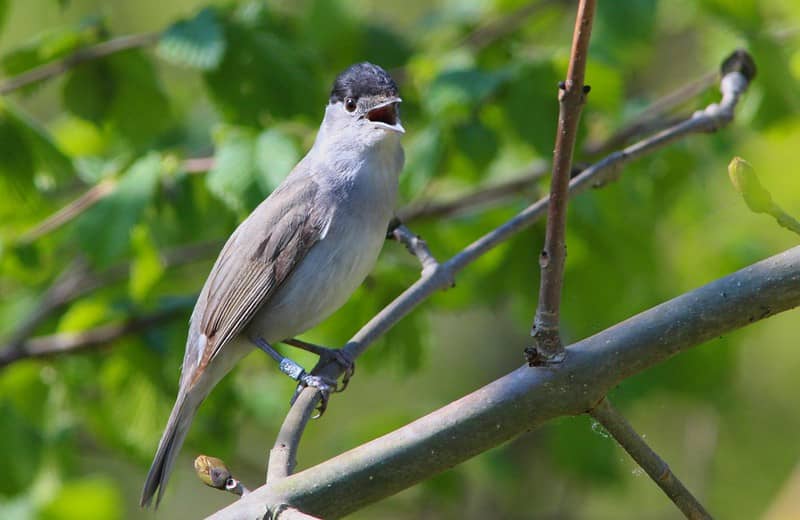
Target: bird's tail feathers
{"x":170,"y":445}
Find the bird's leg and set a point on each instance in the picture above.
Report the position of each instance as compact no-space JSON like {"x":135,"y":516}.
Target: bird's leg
{"x":327,"y":355}
{"x":298,"y":373}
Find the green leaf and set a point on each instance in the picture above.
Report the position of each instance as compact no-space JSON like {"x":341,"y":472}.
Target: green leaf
{"x":424,"y":156}
{"x":89,"y":90}
{"x":85,"y":314}
{"x":16,"y":157}
{"x":195,"y":42}
{"x":454,"y":94}
{"x":477,"y":144}
{"x":49,"y":157}
{"x":534,"y":90}
{"x":49,"y":46}
{"x":275,"y":156}
{"x":94,"y":498}
{"x":4,"y":4}
{"x":147,"y":267}
{"x":140,"y":109}
{"x":104,"y":231}
{"x":263,"y":76}
{"x":234,"y":174}
{"x":22,"y":444}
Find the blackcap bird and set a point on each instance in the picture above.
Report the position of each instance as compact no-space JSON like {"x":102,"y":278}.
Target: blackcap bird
{"x":300,"y":254}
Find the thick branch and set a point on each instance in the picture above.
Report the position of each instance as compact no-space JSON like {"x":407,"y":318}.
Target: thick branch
{"x":616,"y":424}
{"x":55,"y":68}
{"x":712,"y":118}
{"x":526,"y":398}
{"x":572,"y":96}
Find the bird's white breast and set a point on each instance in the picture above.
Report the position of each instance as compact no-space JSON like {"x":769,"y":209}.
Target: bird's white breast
{"x":362,"y":203}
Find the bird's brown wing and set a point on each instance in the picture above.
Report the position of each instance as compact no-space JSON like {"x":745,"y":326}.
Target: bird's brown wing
{"x":256,"y":260}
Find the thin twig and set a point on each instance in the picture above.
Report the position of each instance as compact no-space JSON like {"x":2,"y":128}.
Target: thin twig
{"x":198,"y":164}
{"x":480,"y":198}
{"x":71,"y":342}
{"x":714,"y":117}
{"x":55,"y":68}
{"x":71,"y":281}
{"x":525,"y":399}
{"x":653,"y":118}
{"x":79,"y":280}
{"x":496,"y":29}
{"x":616,"y":424}
{"x":547,"y":346}
{"x":85,"y":201}
{"x":94,"y":195}
{"x":417,"y":247}
{"x":283,"y":455}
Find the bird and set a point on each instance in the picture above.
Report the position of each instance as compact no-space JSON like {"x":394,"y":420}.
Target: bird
{"x":299,"y":255}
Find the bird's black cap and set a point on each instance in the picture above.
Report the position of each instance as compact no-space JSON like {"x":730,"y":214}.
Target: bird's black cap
{"x":363,"y":79}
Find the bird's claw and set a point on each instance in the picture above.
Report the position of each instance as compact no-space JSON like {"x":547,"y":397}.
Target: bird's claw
{"x":324,"y":385}
{"x":343,"y":360}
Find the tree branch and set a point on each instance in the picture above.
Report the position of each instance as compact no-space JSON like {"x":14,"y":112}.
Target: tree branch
{"x":55,"y":68}
{"x":70,"y":342}
{"x":712,"y":118}
{"x":77,"y":281}
{"x":547,"y":346}
{"x":616,"y":424}
{"x":507,"y":24}
{"x":85,"y":201}
{"x":94,"y":195}
{"x":525,"y":398}
{"x":481,"y":197}
{"x":652,"y":118}
{"x":417,"y":247}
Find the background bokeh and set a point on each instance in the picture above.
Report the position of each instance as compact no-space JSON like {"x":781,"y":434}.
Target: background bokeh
{"x":247,"y":83}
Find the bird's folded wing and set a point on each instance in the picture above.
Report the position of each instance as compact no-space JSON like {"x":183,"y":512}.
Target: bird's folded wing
{"x":256,"y":260}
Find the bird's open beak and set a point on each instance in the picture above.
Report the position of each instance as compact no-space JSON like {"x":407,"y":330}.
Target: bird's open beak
{"x":387,"y":116}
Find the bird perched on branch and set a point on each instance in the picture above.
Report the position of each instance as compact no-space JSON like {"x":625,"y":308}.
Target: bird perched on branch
{"x":299,"y":255}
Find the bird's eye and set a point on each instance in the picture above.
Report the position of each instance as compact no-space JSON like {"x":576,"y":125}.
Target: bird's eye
{"x":349,"y":104}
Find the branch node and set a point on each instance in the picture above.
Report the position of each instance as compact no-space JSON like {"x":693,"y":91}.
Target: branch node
{"x":419,"y":248}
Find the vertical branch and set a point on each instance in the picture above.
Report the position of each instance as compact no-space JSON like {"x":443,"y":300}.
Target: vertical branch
{"x":656,"y":468}
{"x":572,"y":96}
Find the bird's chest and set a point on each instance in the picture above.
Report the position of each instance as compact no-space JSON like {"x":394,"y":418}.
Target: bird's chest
{"x":324,"y":280}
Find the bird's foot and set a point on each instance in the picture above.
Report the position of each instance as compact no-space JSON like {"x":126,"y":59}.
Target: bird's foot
{"x":327,"y":356}
{"x":325,"y":386}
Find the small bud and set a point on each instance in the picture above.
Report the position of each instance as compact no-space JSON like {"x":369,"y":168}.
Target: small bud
{"x":744,"y":179}
{"x":211,"y":471}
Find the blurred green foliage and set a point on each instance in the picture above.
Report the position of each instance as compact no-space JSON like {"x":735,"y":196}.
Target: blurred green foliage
{"x":247,"y":82}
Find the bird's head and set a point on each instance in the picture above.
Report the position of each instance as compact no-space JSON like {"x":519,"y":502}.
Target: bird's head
{"x":364,"y":105}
